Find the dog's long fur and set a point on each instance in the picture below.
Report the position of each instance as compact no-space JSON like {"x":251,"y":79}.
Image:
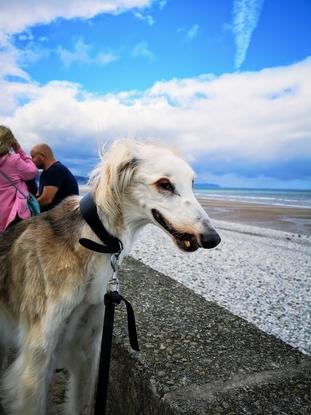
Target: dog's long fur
{"x":52,"y":289}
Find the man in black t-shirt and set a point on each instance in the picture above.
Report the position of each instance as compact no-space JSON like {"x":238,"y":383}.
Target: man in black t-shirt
{"x":56,"y":181}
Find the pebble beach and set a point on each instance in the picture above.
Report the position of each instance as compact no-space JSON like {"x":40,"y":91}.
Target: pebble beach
{"x":261,"y":271}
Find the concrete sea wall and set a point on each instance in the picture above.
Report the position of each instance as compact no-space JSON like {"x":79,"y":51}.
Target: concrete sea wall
{"x":198,"y":358}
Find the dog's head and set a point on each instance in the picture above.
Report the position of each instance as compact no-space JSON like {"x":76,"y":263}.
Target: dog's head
{"x":149,"y":183}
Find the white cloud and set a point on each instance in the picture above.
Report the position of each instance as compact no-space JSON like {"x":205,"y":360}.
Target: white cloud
{"x":193,"y":32}
{"x":162,"y":4}
{"x":10,"y":66}
{"x":11,"y":59}
{"x":144,"y":17}
{"x":189,"y":34}
{"x":14,"y":61}
{"x":26,"y":36}
{"x":106,"y":58}
{"x":257,"y":118}
{"x":246,"y":14}
{"x":82,"y":53}
{"x":17,"y":15}
{"x":142,"y":50}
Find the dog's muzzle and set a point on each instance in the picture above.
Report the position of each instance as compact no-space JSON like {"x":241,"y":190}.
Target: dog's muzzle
{"x":186,"y":241}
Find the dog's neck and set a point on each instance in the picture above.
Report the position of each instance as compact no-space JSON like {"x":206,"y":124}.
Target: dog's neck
{"x":124,"y":225}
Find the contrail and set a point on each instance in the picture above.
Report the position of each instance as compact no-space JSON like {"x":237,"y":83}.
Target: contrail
{"x":246,"y":14}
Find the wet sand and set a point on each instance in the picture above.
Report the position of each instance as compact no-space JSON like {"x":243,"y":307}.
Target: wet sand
{"x":284,"y":218}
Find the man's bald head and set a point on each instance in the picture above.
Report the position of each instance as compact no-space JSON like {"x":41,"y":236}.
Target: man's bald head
{"x":42,"y":155}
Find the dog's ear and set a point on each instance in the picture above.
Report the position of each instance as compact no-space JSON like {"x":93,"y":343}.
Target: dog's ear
{"x":126,"y":172}
{"x":113,"y":176}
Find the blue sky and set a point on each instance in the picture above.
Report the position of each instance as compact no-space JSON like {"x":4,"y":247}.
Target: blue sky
{"x":227,"y":81}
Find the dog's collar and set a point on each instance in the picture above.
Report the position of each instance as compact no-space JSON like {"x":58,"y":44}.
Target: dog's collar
{"x":89,"y":212}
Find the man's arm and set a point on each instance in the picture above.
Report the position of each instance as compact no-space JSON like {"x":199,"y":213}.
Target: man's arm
{"x":47,"y":195}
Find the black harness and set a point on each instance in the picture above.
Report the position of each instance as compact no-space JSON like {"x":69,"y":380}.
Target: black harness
{"x":114,"y":246}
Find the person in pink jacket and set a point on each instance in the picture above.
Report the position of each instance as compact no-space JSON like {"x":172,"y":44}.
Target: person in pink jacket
{"x":15,"y":166}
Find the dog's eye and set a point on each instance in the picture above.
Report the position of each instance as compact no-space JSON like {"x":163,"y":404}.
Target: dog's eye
{"x":165,"y":184}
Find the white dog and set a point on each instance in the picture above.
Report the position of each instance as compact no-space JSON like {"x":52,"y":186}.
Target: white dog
{"x":52,"y":288}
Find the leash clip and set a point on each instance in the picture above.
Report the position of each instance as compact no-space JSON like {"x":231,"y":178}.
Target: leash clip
{"x":113,"y":283}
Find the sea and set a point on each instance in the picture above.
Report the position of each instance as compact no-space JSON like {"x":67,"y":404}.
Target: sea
{"x":275,"y":197}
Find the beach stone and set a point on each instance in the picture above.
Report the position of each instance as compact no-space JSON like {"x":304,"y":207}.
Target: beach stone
{"x":231,"y":368}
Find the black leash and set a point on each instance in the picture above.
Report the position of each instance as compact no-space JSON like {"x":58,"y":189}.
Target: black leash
{"x":112,"y":298}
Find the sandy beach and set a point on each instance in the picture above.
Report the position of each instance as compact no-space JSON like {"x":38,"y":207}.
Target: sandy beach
{"x":284,"y":218}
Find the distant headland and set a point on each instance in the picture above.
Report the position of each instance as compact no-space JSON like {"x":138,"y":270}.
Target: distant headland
{"x":84,"y":180}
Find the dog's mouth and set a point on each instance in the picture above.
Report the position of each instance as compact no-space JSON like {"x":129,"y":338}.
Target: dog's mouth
{"x":184,"y":240}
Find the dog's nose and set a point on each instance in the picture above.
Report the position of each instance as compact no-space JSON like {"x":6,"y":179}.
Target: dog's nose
{"x":210,"y":240}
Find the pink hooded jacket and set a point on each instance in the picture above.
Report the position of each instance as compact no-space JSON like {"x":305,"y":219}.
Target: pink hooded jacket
{"x":18,"y":167}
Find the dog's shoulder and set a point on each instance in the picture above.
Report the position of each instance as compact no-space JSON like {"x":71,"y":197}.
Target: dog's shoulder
{"x":8,"y":237}
{"x":63,"y":221}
